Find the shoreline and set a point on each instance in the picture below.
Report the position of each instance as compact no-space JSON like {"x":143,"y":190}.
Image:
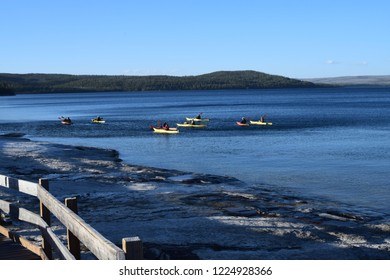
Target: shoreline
{"x":182,"y":215}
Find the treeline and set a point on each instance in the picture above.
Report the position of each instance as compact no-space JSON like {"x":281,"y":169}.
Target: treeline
{"x":6,"y":89}
{"x":51,"y":83}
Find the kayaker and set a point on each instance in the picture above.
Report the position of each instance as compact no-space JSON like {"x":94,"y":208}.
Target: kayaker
{"x":66,"y":120}
{"x":243,"y":120}
{"x":165,"y":126}
{"x":199,"y":116}
{"x":261,"y":119}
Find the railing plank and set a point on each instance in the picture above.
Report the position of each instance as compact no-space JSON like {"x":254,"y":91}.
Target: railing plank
{"x":101,"y":247}
{"x":19,"y":185}
{"x":56,"y":243}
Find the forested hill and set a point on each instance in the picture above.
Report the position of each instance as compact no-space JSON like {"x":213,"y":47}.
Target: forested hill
{"x":47,"y":83}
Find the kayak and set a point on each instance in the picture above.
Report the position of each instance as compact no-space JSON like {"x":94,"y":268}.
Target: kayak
{"x":66,"y":122}
{"x":97,"y":121}
{"x":197,"y":120}
{"x":191,"y":125}
{"x":242,"y":124}
{"x":167,"y":131}
{"x":260,"y":123}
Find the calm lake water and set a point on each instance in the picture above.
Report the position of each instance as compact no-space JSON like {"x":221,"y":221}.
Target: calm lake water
{"x":327,"y":143}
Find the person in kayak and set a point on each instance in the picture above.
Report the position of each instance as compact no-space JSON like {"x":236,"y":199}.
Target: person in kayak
{"x":165,"y":126}
{"x":199,"y":116}
{"x":243,"y":120}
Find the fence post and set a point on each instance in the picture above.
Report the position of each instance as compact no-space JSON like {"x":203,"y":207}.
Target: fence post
{"x":73,"y":241}
{"x":132,"y":246}
{"x":45,"y":214}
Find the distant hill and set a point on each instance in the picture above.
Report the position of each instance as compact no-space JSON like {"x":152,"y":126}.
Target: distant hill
{"x":354,"y":80}
{"x":50,"y":83}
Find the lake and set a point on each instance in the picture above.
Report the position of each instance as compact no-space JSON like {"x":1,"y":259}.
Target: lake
{"x":329,"y":143}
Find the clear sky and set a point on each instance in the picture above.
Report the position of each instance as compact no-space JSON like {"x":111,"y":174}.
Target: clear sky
{"x":294,"y":38}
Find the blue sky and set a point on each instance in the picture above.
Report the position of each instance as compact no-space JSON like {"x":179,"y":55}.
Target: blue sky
{"x":299,"y":39}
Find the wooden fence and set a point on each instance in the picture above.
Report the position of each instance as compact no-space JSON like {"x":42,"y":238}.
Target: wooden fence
{"x":77,"y":229}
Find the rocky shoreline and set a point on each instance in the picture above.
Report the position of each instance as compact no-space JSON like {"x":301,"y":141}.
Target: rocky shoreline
{"x":179,"y":215}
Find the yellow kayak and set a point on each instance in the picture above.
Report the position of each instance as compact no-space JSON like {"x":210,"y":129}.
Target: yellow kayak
{"x":98,"y":121}
{"x":167,"y":131}
{"x":260,"y":123}
{"x":197,"y":120}
{"x":191,"y":125}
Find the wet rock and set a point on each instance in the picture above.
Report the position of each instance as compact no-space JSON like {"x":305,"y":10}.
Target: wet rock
{"x":241,"y":211}
{"x":13,"y":135}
